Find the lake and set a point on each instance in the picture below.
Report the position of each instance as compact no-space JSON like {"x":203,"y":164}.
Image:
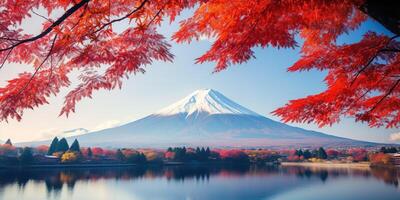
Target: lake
{"x":200,"y":182}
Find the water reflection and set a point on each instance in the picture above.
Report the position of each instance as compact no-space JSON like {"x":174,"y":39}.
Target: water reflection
{"x":57,"y":179}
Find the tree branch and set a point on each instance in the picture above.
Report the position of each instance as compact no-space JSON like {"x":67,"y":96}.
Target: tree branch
{"x":373,"y":58}
{"x":386,"y":95}
{"x":364,"y":94}
{"x":10,"y":39}
{"x":391,"y":50}
{"x":122,"y":18}
{"x":41,"y":16}
{"x":38,"y":68}
{"x":68,"y":13}
{"x":5,"y":59}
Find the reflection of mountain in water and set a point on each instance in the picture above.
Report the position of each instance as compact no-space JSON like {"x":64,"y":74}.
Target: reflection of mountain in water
{"x":56,"y":179}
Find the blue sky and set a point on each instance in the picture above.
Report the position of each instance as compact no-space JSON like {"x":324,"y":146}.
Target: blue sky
{"x":262,"y":85}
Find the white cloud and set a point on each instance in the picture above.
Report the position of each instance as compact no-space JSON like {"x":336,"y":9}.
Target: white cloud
{"x":53,"y":132}
{"x":395,"y":137}
{"x":107,"y":124}
{"x":74,"y":132}
{"x":48,"y":133}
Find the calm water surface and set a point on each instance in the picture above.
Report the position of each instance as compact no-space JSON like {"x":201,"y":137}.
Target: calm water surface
{"x":200,"y":183}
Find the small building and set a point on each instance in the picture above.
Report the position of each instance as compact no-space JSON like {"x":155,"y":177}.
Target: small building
{"x":395,"y":158}
{"x":46,"y":159}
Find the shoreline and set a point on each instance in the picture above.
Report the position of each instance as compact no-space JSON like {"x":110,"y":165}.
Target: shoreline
{"x":67,"y":166}
{"x":362,"y":165}
{"x":80,"y":165}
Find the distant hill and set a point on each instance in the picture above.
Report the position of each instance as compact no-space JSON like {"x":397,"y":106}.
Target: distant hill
{"x":208,"y":118}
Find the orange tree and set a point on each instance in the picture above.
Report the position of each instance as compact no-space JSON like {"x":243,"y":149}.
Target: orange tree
{"x":362,"y":81}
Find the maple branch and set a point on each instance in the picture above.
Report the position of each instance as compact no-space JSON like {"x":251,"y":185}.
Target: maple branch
{"x":68,"y":13}
{"x":373,"y":58}
{"x":5,"y":59}
{"x":386,"y":95}
{"x":364,"y":94}
{"x":38,"y":68}
{"x":150,"y":22}
{"x":365,"y":67}
{"x":41,"y":16}
{"x":390,"y":50}
{"x":157,"y":14}
{"x":80,"y":16}
{"x":122,"y":18}
{"x":11,"y":39}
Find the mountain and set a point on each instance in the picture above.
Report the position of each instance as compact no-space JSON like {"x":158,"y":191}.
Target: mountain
{"x":208,"y":118}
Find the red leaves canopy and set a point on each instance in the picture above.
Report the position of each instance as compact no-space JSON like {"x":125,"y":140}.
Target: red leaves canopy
{"x":362,"y":79}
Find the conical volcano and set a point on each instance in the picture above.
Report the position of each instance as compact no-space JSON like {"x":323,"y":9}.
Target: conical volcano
{"x":208,"y":118}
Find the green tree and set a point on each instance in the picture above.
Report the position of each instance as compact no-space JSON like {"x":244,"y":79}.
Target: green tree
{"x":322,"y":154}
{"x":8,"y":142}
{"x":26,"y":156}
{"x":314,"y":153}
{"x":208,"y":151}
{"x":62,"y":145}
{"x":392,"y":150}
{"x":120,"y":156}
{"x":53,"y":146}
{"x":180,"y":153}
{"x":136,"y":158}
{"x":203,"y":154}
{"x":307,"y":154}
{"x":299,"y":152}
{"x":75,"y":146}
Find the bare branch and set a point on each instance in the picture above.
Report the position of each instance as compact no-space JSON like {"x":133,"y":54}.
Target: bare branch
{"x":41,"y":16}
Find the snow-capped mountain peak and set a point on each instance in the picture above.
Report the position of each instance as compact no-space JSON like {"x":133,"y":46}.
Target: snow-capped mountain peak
{"x":206,"y":101}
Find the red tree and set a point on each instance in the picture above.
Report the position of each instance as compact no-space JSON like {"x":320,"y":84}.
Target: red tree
{"x":42,"y":149}
{"x":332,"y":153}
{"x":363,"y":78}
{"x":97,"y":151}
{"x":358,"y":154}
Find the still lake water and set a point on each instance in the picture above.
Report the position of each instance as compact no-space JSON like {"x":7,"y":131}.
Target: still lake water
{"x":200,"y":183}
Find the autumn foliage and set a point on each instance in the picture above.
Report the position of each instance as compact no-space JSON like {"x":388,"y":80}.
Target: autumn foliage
{"x":362,"y":78}
{"x":380,"y":159}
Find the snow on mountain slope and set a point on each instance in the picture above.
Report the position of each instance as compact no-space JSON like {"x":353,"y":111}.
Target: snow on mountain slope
{"x":205,"y":101}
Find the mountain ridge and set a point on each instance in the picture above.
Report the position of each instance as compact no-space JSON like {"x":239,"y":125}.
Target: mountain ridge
{"x":208,"y":118}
